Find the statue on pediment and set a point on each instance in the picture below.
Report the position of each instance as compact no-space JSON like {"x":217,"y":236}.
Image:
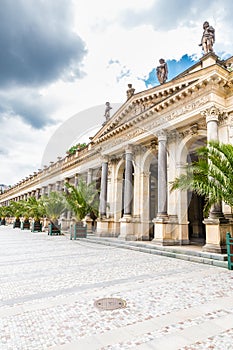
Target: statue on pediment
{"x":107,"y":111}
{"x":162,"y":71}
{"x":130,"y":91}
{"x":208,"y":38}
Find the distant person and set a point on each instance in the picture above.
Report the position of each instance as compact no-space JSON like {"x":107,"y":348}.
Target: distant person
{"x":162,"y":71}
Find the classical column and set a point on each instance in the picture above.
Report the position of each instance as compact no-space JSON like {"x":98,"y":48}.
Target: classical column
{"x":103,"y":189}
{"x":216,"y":224}
{"x":76,"y":180}
{"x":43,"y":190}
{"x":212,"y":119}
{"x":128,"y":188}
{"x":89,"y":176}
{"x":58,"y":186}
{"x":37,"y":195}
{"x":162,"y":174}
{"x":50,"y":187}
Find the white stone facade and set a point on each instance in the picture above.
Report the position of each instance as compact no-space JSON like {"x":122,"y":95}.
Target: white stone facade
{"x":141,"y":149}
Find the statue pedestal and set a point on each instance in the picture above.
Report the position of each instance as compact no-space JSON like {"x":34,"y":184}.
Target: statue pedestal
{"x":216,"y":229}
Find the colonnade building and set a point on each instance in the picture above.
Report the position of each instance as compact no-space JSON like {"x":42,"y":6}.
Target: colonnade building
{"x":142,"y":148}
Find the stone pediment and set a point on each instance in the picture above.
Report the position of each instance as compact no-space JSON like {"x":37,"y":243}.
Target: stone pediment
{"x":157,"y":99}
{"x":140,"y":104}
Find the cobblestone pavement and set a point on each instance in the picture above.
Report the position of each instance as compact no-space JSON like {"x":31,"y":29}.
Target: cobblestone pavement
{"x":49,"y":286}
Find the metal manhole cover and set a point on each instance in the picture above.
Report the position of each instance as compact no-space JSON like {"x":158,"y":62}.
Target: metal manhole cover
{"x":110,"y":303}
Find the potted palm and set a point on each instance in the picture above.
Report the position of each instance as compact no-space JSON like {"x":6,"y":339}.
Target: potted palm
{"x":4,"y":211}
{"x":82,"y":200}
{"x":54,"y":206}
{"x":16,"y":210}
{"x":36,"y":211}
{"x":25,"y":223}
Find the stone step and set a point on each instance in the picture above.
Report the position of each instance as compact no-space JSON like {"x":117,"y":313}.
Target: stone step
{"x":214,"y":259}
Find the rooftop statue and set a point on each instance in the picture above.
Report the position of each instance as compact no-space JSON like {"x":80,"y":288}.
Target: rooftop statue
{"x":208,"y":38}
{"x":130,"y":91}
{"x":162,"y":71}
{"x":107,"y":110}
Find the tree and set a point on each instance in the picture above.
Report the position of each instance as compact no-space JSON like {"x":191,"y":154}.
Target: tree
{"x":82,"y":200}
{"x":211,"y":175}
{"x":16,"y":209}
{"x":54,"y":205}
{"x":35,"y":208}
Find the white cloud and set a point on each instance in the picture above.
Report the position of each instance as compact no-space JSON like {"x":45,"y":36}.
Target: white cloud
{"x":134,"y":34}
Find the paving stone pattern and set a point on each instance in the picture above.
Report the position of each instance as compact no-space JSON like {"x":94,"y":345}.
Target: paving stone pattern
{"x":49,"y":285}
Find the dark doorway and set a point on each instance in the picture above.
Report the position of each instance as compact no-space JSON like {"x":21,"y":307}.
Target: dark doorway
{"x":153,"y":196}
{"x":195,"y":217}
{"x":196,"y":204}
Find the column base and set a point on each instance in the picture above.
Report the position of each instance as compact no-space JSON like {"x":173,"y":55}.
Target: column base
{"x":166,"y":231}
{"x":88,"y":220}
{"x":127,"y":229}
{"x":105,"y":228}
{"x":216,"y":230}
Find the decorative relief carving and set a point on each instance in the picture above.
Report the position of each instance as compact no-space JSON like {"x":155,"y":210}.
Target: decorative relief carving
{"x":189,"y":107}
{"x":193,"y":130}
{"x":223,"y":118}
{"x":173,"y":136}
{"x":178,"y":112}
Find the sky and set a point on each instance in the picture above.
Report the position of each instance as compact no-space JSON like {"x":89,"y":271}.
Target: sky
{"x":61,"y":60}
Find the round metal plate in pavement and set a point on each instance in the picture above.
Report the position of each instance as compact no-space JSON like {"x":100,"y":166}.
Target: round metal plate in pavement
{"x":110,"y":303}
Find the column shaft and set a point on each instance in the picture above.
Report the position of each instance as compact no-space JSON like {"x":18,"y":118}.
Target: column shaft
{"x":128,"y":188}
{"x":103,"y":190}
{"x":162,"y":176}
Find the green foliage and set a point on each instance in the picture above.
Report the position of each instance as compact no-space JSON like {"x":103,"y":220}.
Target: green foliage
{"x":35,"y":208}
{"x":54,"y":205}
{"x":211,"y":176}
{"x":16,"y":209}
{"x":4,"y":211}
{"x":74,"y":148}
{"x":82,"y":200}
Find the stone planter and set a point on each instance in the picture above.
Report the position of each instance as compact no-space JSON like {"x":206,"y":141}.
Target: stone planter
{"x":54,"y":229}
{"x":25,"y":225}
{"x":16,"y":223}
{"x":78,"y":230}
{"x":3,"y":222}
{"x":36,"y":226}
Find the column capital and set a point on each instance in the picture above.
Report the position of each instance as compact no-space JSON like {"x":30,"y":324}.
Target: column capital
{"x":162,"y":135}
{"x":129,"y":148}
{"x":104,"y":158}
{"x":212,"y":114}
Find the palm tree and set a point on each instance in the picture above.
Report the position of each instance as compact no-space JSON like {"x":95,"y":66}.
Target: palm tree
{"x":54,"y":205}
{"x":4,"y":211}
{"x":36,"y":210}
{"x":83,"y":199}
{"x":16,"y":209}
{"x":211,"y":175}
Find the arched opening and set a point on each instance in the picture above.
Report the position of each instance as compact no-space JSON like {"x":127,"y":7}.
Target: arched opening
{"x":153,"y":195}
{"x":196,"y":204}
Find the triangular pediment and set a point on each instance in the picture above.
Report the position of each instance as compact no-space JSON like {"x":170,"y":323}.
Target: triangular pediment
{"x":162,"y":96}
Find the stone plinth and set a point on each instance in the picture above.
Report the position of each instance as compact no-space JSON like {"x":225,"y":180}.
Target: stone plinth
{"x":216,"y":230}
